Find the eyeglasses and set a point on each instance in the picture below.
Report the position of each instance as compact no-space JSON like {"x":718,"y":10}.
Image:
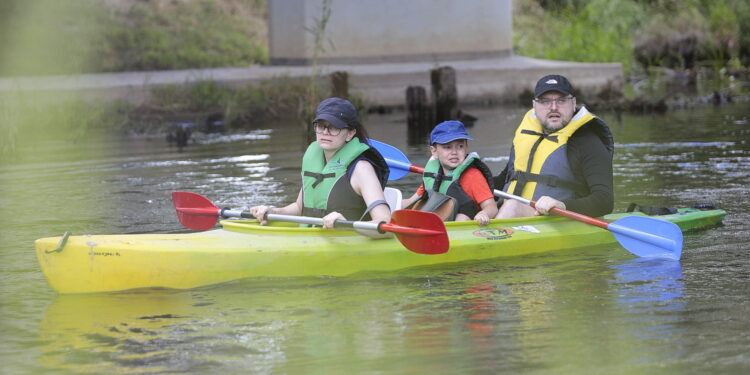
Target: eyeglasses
{"x":544,"y":102}
{"x":321,"y":129}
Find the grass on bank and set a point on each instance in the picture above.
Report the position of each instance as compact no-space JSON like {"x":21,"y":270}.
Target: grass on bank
{"x":53,"y":37}
{"x":676,"y":34}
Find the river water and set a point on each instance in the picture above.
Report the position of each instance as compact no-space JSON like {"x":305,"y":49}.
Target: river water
{"x":589,"y":311}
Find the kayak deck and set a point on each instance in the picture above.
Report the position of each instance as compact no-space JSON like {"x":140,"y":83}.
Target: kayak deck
{"x":244,"y":249}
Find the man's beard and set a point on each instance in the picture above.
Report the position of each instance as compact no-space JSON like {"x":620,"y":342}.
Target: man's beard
{"x":548,"y":130}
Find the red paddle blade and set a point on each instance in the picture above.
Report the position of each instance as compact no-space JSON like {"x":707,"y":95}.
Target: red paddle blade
{"x":195,"y":211}
{"x":419,"y":231}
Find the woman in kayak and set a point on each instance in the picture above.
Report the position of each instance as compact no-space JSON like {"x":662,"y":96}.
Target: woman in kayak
{"x":342,"y":176}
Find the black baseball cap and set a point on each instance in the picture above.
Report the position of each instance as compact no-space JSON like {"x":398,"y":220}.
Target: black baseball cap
{"x":339,"y":112}
{"x":553,"y":82}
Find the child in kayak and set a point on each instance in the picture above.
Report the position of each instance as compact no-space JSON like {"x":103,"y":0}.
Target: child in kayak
{"x":456,"y":184}
{"x":342,"y":176}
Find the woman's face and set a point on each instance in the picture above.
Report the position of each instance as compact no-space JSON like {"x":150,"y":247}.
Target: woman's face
{"x":331,"y":138}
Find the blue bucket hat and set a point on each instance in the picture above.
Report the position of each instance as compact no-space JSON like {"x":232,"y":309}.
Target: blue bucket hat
{"x":339,"y":112}
{"x":448,"y":131}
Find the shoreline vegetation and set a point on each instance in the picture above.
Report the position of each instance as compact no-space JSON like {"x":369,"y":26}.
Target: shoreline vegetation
{"x":675,"y":54}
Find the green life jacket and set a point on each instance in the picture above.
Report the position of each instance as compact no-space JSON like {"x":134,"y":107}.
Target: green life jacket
{"x":539,"y":161}
{"x":434,"y":179}
{"x":325,"y":187}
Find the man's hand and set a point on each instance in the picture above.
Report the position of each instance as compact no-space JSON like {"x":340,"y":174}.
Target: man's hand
{"x":545,"y":204}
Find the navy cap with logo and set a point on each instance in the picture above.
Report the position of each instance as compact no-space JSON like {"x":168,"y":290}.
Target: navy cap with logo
{"x":553,"y":82}
{"x":339,"y":112}
{"x":448,"y":131}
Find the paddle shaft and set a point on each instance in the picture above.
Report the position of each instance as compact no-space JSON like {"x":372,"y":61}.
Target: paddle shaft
{"x":557,"y":211}
{"x":614,"y":227}
{"x":404,"y":166}
{"x":381,"y":227}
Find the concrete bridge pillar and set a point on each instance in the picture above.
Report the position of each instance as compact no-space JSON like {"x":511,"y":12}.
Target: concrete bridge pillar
{"x":389,"y":31}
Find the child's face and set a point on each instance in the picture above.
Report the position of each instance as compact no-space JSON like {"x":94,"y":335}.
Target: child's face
{"x":450,"y":155}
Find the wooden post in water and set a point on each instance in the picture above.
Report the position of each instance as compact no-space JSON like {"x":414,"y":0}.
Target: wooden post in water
{"x":419,"y":114}
{"x":444,"y":92}
{"x":340,"y":84}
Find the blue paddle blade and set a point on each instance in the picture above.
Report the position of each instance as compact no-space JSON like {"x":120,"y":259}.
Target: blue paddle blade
{"x":397,"y":161}
{"x":648,"y":237}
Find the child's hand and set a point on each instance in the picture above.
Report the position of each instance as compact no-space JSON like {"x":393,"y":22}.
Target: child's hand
{"x":482,"y":218}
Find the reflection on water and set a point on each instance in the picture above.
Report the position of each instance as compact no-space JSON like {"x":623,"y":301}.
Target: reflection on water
{"x":450,"y":318}
{"x":651,"y":295}
{"x":650,"y":281}
{"x":583,"y":311}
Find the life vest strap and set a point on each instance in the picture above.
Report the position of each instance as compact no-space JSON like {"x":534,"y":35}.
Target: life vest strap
{"x":319,"y":177}
{"x":552,"y":138}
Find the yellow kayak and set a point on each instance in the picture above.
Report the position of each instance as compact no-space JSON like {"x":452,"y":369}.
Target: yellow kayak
{"x":243,"y":249}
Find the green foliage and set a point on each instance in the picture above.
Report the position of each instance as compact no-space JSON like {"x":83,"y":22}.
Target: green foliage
{"x":596,"y":31}
{"x":725,"y":29}
{"x":191,"y":34}
{"x":50,"y":37}
{"x":44,"y":37}
{"x":658,"y":32}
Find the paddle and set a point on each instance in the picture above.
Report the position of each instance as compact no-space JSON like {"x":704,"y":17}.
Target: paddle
{"x":642,"y":236}
{"x":420,"y":232}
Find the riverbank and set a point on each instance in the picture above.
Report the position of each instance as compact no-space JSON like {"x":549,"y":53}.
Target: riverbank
{"x":153,"y":101}
{"x":381,"y":85}
{"x":237,"y":98}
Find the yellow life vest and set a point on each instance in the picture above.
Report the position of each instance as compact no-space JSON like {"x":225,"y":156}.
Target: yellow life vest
{"x":540,"y":162}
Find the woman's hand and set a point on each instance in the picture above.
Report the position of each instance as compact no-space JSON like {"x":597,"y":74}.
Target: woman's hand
{"x":260,"y":213}
{"x":329,"y":219}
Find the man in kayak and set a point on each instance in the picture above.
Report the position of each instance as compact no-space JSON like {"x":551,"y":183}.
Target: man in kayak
{"x":454,"y":178}
{"x":342,"y":176}
{"x":561,"y":156}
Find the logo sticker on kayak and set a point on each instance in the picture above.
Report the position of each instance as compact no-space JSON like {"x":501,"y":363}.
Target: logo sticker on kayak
{"x":493,"y":233}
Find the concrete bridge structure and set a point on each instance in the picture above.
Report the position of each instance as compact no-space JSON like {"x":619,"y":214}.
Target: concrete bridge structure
{"x":388,"y":31}
{"x":384,"y":46}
